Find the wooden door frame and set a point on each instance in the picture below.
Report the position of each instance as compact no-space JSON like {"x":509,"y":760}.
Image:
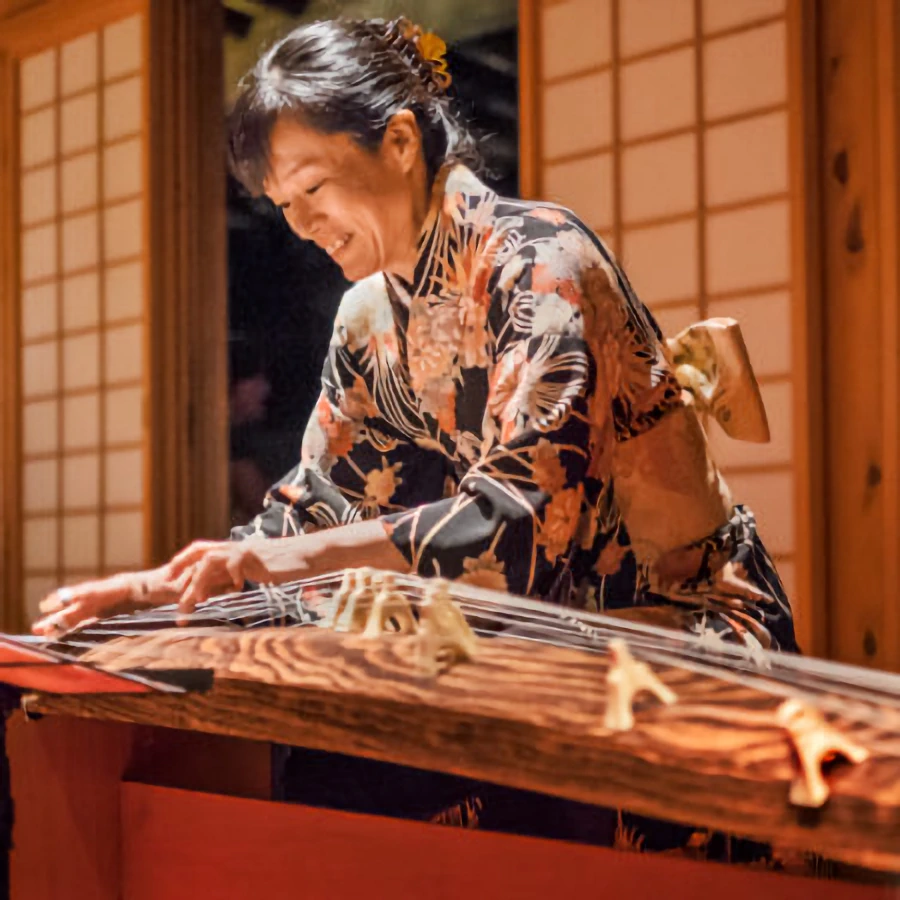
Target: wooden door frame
{"x":188,"y":415}
{"x":186,"y":474}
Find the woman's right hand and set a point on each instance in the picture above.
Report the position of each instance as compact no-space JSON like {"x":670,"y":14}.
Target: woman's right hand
{"x":69,"y":607}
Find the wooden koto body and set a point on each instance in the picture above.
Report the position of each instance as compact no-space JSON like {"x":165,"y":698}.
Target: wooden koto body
{"x":529,"y":715}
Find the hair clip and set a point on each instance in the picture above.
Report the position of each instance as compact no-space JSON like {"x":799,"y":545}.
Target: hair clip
{"x":434,"y":50}
{"x":431,"y":48}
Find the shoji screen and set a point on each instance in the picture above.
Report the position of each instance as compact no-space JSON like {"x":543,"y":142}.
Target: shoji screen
{"x":81,"y":175}
{"x":664,"y":125}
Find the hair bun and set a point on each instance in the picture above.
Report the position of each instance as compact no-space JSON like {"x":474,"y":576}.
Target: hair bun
{"x":424,"y":52}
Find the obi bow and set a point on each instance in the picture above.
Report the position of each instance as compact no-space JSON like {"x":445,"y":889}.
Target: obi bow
{"x":711,"y":363}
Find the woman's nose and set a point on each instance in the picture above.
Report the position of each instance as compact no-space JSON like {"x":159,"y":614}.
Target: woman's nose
{"x":302,"y":220}
{"x":295,"y":218}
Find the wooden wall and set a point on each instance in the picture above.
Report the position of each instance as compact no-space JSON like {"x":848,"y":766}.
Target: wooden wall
{"x":858,"y":101}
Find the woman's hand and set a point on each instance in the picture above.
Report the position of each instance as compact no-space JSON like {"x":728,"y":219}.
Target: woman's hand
{"x":207,"y":568}
{"x":68,"y":607}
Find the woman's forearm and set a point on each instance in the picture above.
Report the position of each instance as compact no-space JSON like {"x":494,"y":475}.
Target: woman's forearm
{"x":330,"y":550}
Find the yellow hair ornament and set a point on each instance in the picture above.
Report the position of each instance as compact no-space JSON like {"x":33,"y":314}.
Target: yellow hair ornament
{"x":434,"y":49}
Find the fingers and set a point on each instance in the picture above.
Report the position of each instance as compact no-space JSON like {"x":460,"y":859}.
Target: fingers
{"x":190,"y":556}
{"x":234,"y":567}
{"x":61,"y":621}
{"x":67,"y":607}
{"x":215,"y":572}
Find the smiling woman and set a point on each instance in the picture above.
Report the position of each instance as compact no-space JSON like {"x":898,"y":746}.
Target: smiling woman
{"x":497,"y":405}
{"x":349,"y":172}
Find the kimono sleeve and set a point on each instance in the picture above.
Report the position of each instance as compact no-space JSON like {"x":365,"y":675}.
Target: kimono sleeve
{"x":353,"y":464}
{"x":520,"y":509}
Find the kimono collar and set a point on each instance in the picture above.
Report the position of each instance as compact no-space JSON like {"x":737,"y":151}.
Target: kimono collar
{"x":452,"y":183}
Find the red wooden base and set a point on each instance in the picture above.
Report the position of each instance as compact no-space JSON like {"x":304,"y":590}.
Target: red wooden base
{"x":179,"y":845}
{"x":85,"y":832}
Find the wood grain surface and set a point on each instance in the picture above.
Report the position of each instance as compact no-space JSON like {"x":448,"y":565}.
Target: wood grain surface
{"x":528,"y":716}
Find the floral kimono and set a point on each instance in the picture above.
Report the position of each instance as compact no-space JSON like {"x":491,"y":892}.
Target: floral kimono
{"x":515,"y":418}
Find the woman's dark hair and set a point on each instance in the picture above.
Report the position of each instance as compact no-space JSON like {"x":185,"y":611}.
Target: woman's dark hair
{"x":345,"y":76}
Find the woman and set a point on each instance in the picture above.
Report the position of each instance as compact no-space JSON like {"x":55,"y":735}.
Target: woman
{"x":497,"y":406}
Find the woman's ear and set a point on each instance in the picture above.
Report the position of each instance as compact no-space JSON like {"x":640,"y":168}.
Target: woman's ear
{"x":402,"y":142}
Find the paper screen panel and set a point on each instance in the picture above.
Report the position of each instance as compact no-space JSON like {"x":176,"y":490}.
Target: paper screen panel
{"x":658,"y":94}
{"x":646,"y":25}
{"x":719,"y":15}
{"x":745,"y":71}
{"x":747,"y":159}
{"x":81,"y":478}
{"x":79,"y":182}
{"x":38,"y":197}
{"x":39,"y":311}
{"x":81,"y":301}
{"x":585,"y":186}
{"x":122,"y":109}
{"x":82,"y":305}
{"x":123,"y":47}
{"x":41,"y":546}
{"x":659,"y":178}
{"x":771,"y":497}
{"x":37,"y":137}
{"x":577,"y":116}
{"x":39,"y":369}
{"x":124,"y":291}
{"x":40,"y":486}
{"x":577,"y":35}
{"x":124,"y":543}
{"x":37,"y":80}
{"x":674,"y":319}
{"x":661,"y":261}
{"x":81,"y":542}
{"x":698,"y":187}
{"x":748,"y":248}
{"x":731,"y":454}
{"x":79,"y":60}
{"x":765,"y":321}
{"x":81,"y":361}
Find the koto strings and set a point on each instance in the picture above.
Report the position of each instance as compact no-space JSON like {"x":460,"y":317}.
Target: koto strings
{"x":851,"y":692}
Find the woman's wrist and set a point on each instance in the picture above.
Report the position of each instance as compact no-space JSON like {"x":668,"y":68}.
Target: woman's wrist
{"x":362,"y":544}
{"x":366,"y":544}
{"x":151,"y":587}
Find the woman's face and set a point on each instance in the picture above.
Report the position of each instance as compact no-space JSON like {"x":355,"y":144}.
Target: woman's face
{"x":363,"y":208}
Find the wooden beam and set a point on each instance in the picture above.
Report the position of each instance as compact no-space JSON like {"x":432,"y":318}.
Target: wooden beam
{"x":888,"y":69}
{"x":859,"y":194}
{"x":529,"y":98}
{"x":809,"y":601}
{"x":187,"y":378}
{"x":526,"y":715}
{"x":11,"y":612}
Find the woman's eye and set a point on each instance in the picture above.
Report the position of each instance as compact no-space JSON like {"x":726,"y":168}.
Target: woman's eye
{"x":314,"y":188}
